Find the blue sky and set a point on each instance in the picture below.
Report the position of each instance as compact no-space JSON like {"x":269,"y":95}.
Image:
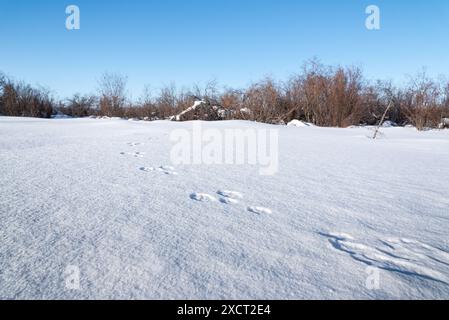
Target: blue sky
{"x":157,"y":42}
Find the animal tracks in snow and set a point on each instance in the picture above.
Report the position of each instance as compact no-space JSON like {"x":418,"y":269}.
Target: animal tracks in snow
{"x":147,"y":169}
{"x":135,"y":144}
{"x":400,"y":255}
{"x":229,"y":201}
{"x":259,"y":210}
{"x":229,"y":198}
{"x":134,"y":154}
{"x":168,"y":170}
{"x":230,"y":194}
{"x":202,"y":197}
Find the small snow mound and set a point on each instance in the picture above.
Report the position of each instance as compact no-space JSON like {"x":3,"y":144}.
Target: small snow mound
{"x":444,"y":124}
{"x":389,"y":124}
{"x":299,"y":123}
{"x":60,"y":116}
{"x":196,"y":104}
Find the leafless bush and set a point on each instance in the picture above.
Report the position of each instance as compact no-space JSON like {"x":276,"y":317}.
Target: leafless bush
{"x":232,"y":101}
{"x":264,"y":101}
{"x":345,"y":107}
{"x":320,"y":94}
{"x":326,"y":96}
{"x":166,"y":103}
{"x":80,"y":106}
{"x":209,"y":92}
{"x":19,"y":99}
{"x":423,"y":104}
{"x":112,"y":90}
{"x":445,"y":100}
{"x":2,"y":86}
{"x":145,"y":109}
{"x":377,"y":98}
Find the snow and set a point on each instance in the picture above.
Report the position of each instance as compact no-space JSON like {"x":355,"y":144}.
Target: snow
{"x":388,"y":124}
{"x":444,"y":123}
{"x":245,"y":110}
{"x":103,"y":196}
{"x":196,"y":104}
{"x":298,"y":123}
{"x":60,"y":116}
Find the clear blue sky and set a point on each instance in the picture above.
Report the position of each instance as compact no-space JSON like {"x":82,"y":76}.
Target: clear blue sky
{"x":235,"y":41}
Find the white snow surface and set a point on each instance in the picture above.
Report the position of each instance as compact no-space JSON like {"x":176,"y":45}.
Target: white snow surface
{"x":102,"y":196}
{"x":299,"y":123}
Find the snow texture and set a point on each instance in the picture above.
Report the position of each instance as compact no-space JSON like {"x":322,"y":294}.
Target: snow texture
{"x":101,"y":195}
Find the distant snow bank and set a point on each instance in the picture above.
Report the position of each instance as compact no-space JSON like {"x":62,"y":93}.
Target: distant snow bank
{"x":299,"y":123}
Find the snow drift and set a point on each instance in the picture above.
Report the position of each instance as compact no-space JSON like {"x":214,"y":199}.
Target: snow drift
{"x":101,"y":197}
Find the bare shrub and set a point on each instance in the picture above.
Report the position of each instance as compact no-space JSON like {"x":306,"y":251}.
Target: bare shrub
{"x":21,"y":100}
{"x":208,"y":93}
{"x":345,"y":107}
{"x":422,"y":104}
{"x":445,"y":101}
{"x":80,"y":106}
{"x":166,"y":103}
{"x":145,"y":108}
{"x":112,"y":89}
{"x":320,"y":94}
{"x":2,"y":86}
{"x":381,"y":99}
{"x":326,"y":96}
{"x":264,"y":101}
{"x":232,"y":101}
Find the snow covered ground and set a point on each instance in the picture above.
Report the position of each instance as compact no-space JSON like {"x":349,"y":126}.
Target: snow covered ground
{"x":345,"y":216}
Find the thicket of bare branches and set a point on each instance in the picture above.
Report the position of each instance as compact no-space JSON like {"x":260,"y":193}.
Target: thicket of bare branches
{"x":326,"y":96}
{"x":80,"y":106}
{"x":425,"y":102}
{"x":18,"y":99}
{"x":319,"y":94}
{"x":112,"y":94}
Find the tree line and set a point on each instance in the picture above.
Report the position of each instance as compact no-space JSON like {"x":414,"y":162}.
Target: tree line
{"x":320,"y":94}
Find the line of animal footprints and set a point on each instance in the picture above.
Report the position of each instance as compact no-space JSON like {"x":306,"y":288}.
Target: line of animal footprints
{"x":135,"y":144}
{"x":228,"y":197}
{"x":168,"y":170}
{"x":403,"y":256}
{"x":134,"y":154}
